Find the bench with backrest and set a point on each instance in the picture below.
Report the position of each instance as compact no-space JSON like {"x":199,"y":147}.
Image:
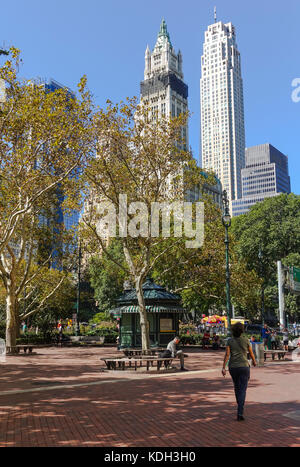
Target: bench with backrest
{"x":60,"y":340}
{"x":129,"y":352}
{"x":280,"y":354}
{"x":139,"y":352}
{"x":137,"y":362}
{"x":210,"y":344}
{"x":30,"y":347}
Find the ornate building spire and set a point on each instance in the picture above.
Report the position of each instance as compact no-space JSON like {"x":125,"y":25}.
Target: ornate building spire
{"x":163,"y":36}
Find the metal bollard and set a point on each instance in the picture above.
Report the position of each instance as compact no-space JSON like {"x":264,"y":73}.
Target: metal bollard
{"x":259,"y":354}
{"x":2,"y":351}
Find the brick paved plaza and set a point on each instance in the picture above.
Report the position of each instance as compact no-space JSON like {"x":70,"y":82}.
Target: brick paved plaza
{"x":66,"y":397}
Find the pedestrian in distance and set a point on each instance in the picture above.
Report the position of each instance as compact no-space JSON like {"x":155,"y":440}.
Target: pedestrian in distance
{"x":295,"y":329}
{"x":286,"y":339}
{"x":205,"y":340}
{"x":253,"y":344}
{"x":273,"y":340}
{"x":236,"y":353}
{"x":265,"y":335}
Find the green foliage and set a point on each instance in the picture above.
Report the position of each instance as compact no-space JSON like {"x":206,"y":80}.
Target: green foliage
{"x":2,"y":329}
{"x":99,"y":318}
{"x":292,"y":259}
{"x":199,"y":274}
{"x":292,"y":303}
{"x":44,"y":138}
{"x":273,"y":228}
{"x":107,"y":277}
{"x":35,"y":339}
{"x":110,"y":334}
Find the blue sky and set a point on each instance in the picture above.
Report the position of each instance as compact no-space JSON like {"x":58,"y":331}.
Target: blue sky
{"x":106,"y":40}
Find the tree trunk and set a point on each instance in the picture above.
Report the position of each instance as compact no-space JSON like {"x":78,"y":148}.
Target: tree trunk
{"x":11,"y":319}
{"x":18,"y":323}
{"x":143,"y":315}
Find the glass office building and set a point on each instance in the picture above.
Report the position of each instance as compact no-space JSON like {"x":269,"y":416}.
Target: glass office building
{"x":69,"y":220}
{"x":265,"y":175}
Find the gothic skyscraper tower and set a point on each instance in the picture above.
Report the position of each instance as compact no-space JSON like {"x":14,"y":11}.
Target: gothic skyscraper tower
{"x":163,"y":88}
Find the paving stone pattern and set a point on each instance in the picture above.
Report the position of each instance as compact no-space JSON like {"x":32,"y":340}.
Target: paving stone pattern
{"x":66,"y":397}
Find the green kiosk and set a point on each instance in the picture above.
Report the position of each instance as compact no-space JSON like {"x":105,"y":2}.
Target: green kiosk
{"x":164,"y":311}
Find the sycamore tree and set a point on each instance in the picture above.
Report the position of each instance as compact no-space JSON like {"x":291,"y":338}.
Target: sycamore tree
{"x":53,"y":305}
{"x":142,"y":168}
{"x":45,"y":137}
{"x":197,"y":274}
{"x":106,"y":277}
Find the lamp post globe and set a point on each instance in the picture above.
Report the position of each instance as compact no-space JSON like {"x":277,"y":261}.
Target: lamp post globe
{"x":226,"y":219}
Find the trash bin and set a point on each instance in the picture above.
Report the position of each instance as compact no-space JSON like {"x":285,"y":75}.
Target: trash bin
{"x":259,"y":354}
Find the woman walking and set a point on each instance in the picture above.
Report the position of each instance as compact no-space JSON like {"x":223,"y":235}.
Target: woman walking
{"x":236,"y":352}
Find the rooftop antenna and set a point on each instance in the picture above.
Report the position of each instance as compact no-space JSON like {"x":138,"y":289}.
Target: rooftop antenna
{"x":215,"y":14}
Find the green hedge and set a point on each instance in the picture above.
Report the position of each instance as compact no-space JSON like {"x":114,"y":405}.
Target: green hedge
{"x":34,"y":339}
{"x":191,"y":339}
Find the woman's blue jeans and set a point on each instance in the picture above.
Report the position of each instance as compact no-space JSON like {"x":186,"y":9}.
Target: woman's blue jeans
{"x":240,"y":377}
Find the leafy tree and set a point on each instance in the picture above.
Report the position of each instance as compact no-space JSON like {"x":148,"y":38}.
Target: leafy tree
{"x":58,"y":306}
{"x":44,"y":139}
{"x":271,"y":228}
{"x":199,"y":275}
{"x":107,"y":277}
{"x":143,"y":158}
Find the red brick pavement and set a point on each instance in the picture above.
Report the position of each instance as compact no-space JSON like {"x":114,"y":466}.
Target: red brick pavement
{"x":60,"y":397}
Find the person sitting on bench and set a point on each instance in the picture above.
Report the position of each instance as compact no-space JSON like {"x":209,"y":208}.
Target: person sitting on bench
{"x":205,"y":340}
{"x":215,"y":342}
{"x":171,"y":351}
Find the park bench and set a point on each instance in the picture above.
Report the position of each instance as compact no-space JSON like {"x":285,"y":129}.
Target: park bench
{"x":210,"y":344}
{"x":137,"y":352}
{"x":30,"y":347}
{"x":280,"y":354}
{"x":60,"y":340}
{"x":135,"y":362}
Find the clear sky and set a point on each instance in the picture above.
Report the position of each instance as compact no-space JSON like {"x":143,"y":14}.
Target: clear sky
{"x":106,"y":40}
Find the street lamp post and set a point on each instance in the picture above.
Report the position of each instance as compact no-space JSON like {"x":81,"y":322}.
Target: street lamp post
{"x":226,"y":220}
{"x":77,"y":333}
{"x":260,"y":256}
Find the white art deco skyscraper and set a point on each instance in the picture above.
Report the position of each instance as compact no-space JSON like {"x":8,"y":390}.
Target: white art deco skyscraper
{"x":163,"y":88}
{"x":222,"y":108}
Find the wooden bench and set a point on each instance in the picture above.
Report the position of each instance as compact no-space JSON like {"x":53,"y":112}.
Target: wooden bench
{"x":29,"y":347}
{"x":136,"y":352}
{"x":280,"y":354}
{"x":144,"y":353}
{"x":210,"y":345}
{"x":61,"y":340}
{"x":121,"y":363}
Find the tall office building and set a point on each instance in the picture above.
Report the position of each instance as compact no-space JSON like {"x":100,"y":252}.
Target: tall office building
{"x":163,"y":88}
{"x":60,"y":218}
{"x":266,"y":174}
{"x":222,"y":108}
